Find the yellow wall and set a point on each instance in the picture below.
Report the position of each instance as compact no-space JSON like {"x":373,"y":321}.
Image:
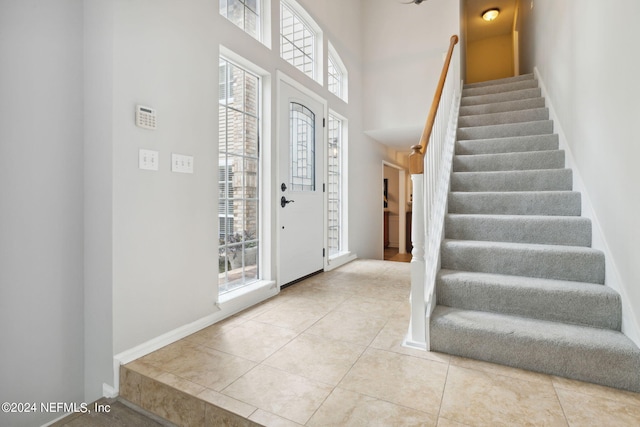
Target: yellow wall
{"x":489,"y":59}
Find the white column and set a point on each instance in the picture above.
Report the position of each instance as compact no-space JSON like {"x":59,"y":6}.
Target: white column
{"x":416,"y":337}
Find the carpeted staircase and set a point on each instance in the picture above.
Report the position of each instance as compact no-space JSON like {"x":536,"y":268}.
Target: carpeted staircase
{"x":520,"y":284}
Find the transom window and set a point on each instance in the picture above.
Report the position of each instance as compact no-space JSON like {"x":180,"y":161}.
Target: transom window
{"x":336,"y":75}
{"x":334,"y":81}
{"x":298,"y":41}
{"x":238,"y":179}
{"x":244,"y":13}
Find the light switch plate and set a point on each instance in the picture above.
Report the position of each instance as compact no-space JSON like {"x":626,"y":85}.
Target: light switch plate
{"x":181,"y":163}
{"x":148,"y":160}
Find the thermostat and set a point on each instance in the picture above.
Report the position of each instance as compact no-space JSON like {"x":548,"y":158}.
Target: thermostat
{"x":145,"y":117}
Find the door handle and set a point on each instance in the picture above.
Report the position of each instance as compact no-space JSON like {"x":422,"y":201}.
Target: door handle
{"x":284,"y":202}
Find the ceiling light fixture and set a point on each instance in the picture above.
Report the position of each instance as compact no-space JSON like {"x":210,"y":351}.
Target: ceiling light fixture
{"x":491,"y":14}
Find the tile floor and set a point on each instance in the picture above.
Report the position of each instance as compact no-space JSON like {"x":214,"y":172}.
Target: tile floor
{"x":327,"y":352}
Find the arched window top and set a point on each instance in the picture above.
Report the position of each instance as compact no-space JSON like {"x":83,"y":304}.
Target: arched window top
{"x":336,"y":75}
{"x":300,"y":40}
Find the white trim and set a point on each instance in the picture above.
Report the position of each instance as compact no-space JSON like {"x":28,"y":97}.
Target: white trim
{"x":108,"y":391}
{"x":630,"y":324}
{"x":260,"y":292}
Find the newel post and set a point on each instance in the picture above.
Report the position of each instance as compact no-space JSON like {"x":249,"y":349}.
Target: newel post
{"x":416,"y":336}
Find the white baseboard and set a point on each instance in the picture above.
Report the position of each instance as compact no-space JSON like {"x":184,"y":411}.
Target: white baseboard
{"x":230,"y":307}
{"x":630,"y":324}
{"x":108,"y":391}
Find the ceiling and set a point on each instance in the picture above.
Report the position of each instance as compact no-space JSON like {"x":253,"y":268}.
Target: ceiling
{"x":478,"y":28}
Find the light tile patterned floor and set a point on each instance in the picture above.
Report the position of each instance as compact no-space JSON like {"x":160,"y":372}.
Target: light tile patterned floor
{"x":327,"y":352}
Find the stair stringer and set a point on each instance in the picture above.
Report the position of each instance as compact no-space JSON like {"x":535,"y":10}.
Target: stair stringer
{"x":435,"y":228}
{"x":630,"y":321}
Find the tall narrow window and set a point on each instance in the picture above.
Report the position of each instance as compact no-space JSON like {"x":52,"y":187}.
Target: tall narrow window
{"x":334,"y":190}
{"x":244,"y":13}
{"x":238,"y":182}
{"x":297,"y":41}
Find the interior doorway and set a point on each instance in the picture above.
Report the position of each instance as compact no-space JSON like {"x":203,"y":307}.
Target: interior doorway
{"x":394,"y":211}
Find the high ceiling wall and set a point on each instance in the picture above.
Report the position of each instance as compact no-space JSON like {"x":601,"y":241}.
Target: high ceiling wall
{"x":403,"y":51}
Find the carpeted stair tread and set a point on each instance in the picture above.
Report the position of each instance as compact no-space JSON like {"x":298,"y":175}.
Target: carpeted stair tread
{"x":588,"y":354}
{"x":508,"y":145}
{"x":506,"y":117}
{"x":513,"y":180}
{"x":500,"y":107}
{"x":525,"y":160}
{"x":500,"y":88}
{"x":545,"y":299}
{"x":501,"y":97}
{"x":539,"y":127}
{"x":573,"y":263}
{"x":519,"y":78}
{"x":544,"y":230}
{"x":563,"y":203}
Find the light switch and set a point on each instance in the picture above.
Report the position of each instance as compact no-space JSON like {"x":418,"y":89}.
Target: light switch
{"x":181,"y":163}
{"x":148,"y":160}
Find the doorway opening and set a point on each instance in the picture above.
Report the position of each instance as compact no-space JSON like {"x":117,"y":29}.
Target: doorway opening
{"x":396,"y":219}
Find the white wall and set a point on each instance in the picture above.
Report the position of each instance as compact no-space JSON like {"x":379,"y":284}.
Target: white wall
{"x":165,"y":55}
{"x":41,"y":213}
{"x":404,"y":47}
{"x":98,"y":200}
{"x":586,"y":56}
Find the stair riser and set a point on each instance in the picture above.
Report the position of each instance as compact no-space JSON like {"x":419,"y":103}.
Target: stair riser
{"x":517,"y":203}
{"x":504,"y":118}
{"x":500,"y":88}
{"x":509,"y":161}
{"x":548,"y":263}
{"x":595,"y":306}
{"x":508,"y":145}
{"x":519,"y":78}
{"x":501,"y":107}
{"x":538,"y":180}
{"x":565,"y":231}
{"x":580,"y":362}
{"x":544,"y":127}
{"x":501,"y":97}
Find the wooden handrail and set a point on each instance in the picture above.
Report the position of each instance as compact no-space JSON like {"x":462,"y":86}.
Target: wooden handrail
{"x":416,"y":159}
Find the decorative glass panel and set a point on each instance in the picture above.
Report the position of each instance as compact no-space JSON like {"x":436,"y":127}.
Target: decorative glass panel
{"x":243,"y":13}
{"x":302,"y":148}
{"x":297,"y":41}
{"x":238,"y":179}
{"x":334,"y":184}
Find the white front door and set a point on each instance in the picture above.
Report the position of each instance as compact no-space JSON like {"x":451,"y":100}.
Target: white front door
{"x":300,"y":199}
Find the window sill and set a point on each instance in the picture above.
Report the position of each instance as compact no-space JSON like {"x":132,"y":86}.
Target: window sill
{"x":339,"y":260}
{"x":239,"y":299}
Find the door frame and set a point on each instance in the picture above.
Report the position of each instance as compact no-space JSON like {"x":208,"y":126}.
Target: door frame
{"x":282,"y":78}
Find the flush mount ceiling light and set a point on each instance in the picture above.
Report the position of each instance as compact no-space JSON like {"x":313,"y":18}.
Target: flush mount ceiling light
{"x":491,"y":14}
